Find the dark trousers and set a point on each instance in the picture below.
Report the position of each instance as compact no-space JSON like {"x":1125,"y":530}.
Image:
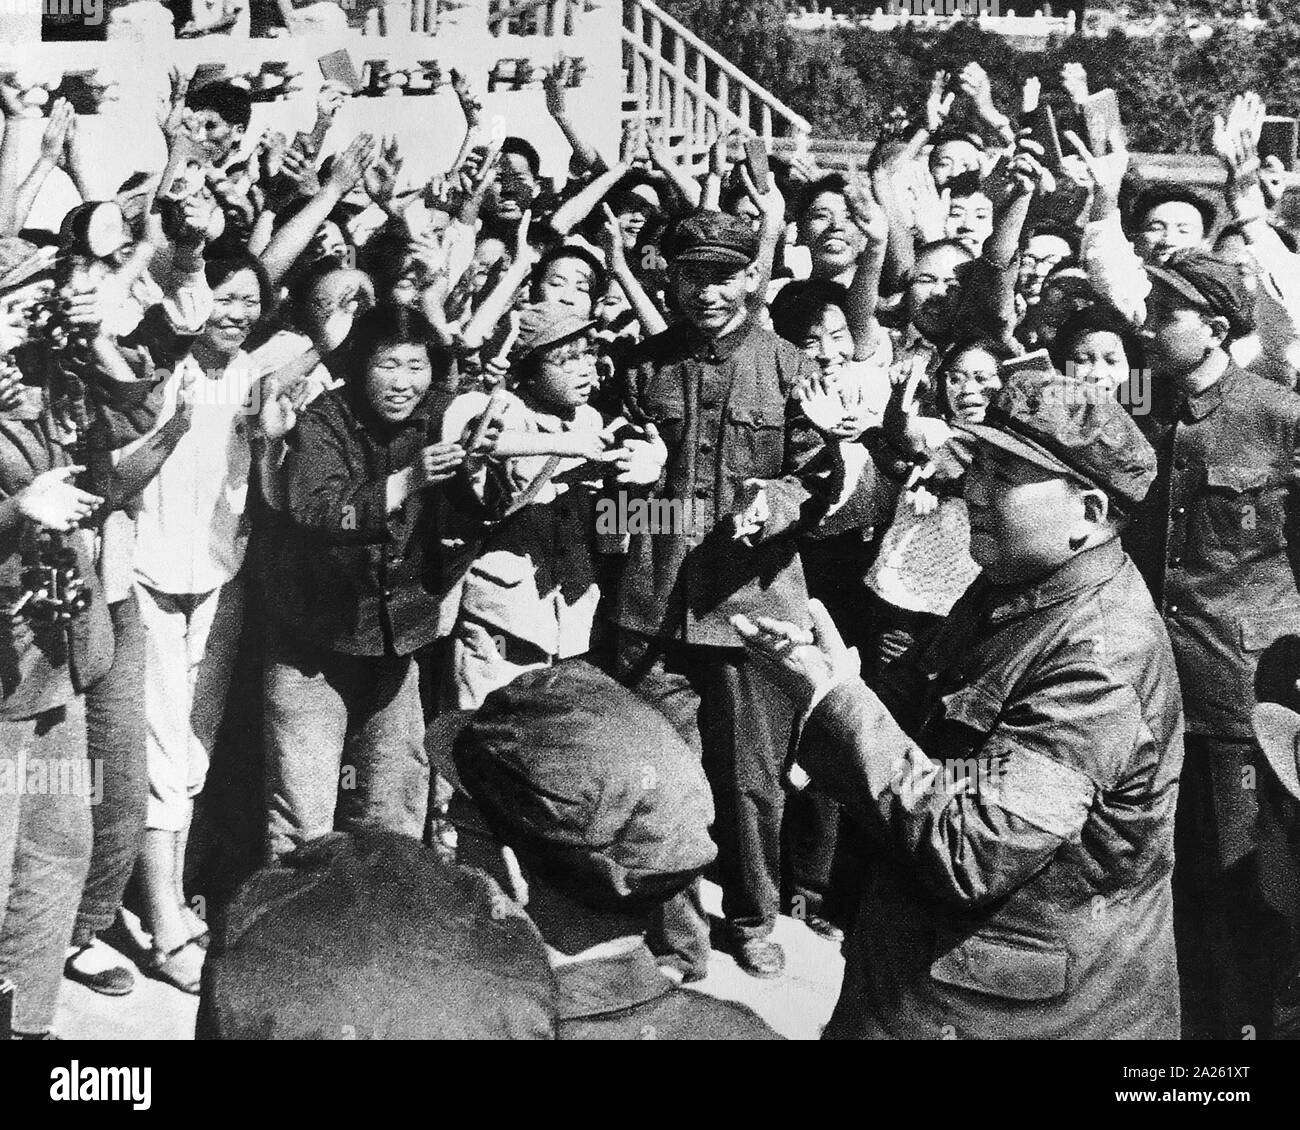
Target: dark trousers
{"x":1231,"y":943}
{"x":115,"y":738}
{"x":741,"y":727}
{"x":822,"y":853}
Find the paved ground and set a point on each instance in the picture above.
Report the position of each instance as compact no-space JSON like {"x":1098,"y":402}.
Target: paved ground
{"x":797,"y":1004}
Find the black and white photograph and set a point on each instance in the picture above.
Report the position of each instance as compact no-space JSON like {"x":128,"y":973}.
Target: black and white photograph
{"x":650,"y":520}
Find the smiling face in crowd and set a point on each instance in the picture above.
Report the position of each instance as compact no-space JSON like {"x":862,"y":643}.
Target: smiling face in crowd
{"x":218,"y":139}
{"x":1098,"y":357}
{"x":328,"y":243}
{"x":1040,"y":255}
{"x":397,"y":377}
{"x":952,"y":158}
{"x":236,"y":307}
{"x":566,"y":376}
{"x":569,"y":282}
{"x":831,"y":236}
{"x":970,"y":221}
{"x":970,"y":382}
{"x":934,"y":289}
{"x":1167,"y":228}
{"x":828,"y":340}
{"x":514,"y":189}
{"x":715,"y":296}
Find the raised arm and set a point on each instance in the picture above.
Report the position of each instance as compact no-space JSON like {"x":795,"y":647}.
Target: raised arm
{"x":292,"y":239}
{"x":494,"y":307}
{"x":864,"y":292}
{"x":53,"y":143}
{"x":581,"y":205}
{"x":555,"y":85}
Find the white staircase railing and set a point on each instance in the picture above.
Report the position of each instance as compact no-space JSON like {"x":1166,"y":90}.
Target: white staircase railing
{"x":682,"y":86}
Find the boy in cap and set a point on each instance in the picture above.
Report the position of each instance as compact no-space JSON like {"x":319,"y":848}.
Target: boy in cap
{"x":1212,"y":543}
{"x":1020,"y":769}
{"x":530,"y":595}
{"x":733,"y":454}
{"x":605,"y":812}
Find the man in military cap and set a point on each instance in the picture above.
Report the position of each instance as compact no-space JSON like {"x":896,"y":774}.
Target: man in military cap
{"x":732,"y":452}
{"x":1020,"y":768}
{"x":1212,"y":543}
{"x":603,"y":812}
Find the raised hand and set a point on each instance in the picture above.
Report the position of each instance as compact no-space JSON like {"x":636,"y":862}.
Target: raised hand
{"x":975,"y":85}
{"x":172,"y":121}
{"x":1075,"y":80}
{"x":865,"y":211}
{"x":381,"y":178}
{"x":554,"y":84}
{"x":470,"y":105}
{"x":930,"y":206}
{"x":937,"y":103}
{"x":330,"y":99}
{"x":55,"y":138}
{"x":351,"y":165}
{"x":1027,"y":171}
{"x":1236,"y":139}
{"x":1030,"y":94}
{"x":770,"y":203}
{"x":1107,"y":172}
{"x":53,"y":502}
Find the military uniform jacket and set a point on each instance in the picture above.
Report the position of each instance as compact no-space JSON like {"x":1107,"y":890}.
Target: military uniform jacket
{"x":727,"y":413}
{"x":1213,"y":540}
{"x":1024,"y":800}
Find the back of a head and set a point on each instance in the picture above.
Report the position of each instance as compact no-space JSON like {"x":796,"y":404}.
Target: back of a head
{"x":371,"y":935}
{"x":590,"y":786}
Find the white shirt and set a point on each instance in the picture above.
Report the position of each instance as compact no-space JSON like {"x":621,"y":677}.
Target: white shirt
{"x":190,"y":535}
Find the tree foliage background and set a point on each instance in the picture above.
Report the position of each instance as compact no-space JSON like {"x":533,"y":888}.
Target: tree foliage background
{"x":845,"y":80}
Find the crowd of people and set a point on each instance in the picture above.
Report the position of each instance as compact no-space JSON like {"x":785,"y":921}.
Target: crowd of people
{"x":908,"y":550}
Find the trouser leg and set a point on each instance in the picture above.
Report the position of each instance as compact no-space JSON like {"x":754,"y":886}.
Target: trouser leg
{"x":212,"y":638}
{"x":305,"y":730}
{"x":745,"y":735}
{"x":1230,"y":942}
{"x":385,"y":746}
{"x":115,"y":732}
{"x":45,"y":840}
{"x":653,"y":669}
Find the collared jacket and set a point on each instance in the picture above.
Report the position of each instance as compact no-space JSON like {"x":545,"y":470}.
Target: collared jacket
{"x":42,"y":666}
{"x":535,"y":576}
{"x":1020,"y":771}
{"x":339,"y":570}
{"x":726,"y":411}
{"x":628,"y":998}
{"x":1216,"y":541}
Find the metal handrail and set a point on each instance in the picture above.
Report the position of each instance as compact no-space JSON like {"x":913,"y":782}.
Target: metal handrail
{"x":797,"y":122}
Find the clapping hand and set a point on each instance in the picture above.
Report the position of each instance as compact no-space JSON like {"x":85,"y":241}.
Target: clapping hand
{"x":803,"y":664}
